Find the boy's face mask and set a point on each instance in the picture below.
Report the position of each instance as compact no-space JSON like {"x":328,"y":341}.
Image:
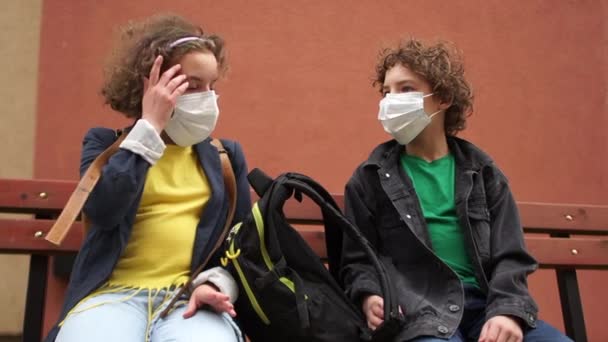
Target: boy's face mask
{"x":403,"y":116}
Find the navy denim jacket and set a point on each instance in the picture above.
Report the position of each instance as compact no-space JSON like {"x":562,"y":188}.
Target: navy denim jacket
{"x":381,"y":200}
{"x":113,"y":203}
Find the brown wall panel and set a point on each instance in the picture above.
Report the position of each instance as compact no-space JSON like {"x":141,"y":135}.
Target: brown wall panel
{"x":299,"y":94}
{"x":19,"y":41}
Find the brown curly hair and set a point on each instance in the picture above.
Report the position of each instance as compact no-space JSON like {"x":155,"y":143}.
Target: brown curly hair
{"x":441,"y":65}
{"x":139,"y":45}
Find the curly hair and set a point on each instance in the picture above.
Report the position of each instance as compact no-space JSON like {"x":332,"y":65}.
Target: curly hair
{"x":139,"y":45}
{"x":441,"y":65}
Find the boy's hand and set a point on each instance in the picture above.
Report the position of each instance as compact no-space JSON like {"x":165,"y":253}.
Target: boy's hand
{"x":501,"y":329}
{"x":373,"y":308}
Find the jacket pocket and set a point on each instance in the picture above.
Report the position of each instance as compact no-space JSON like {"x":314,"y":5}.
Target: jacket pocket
{"x":392,"y":239}
{"x":479,"y":217}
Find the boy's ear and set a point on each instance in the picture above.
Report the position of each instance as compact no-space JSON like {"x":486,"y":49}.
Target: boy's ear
{"x":445,"y":104}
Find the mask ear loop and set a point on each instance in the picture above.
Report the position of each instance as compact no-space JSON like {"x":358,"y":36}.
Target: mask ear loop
{"x":437,"y":112}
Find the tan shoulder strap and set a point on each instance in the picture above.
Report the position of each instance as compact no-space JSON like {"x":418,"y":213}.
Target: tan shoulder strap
{"x":230,"y":185}
{"x":86,"y":184}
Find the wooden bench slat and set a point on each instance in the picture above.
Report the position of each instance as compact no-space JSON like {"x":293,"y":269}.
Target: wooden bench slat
{"x":20,"y":236}
{"x":574,"y":218}
{"x":578,"y":252}
{"x":27,"y":195}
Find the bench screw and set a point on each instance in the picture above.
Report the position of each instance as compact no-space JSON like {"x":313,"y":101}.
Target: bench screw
{"x":574,"y":251}
{"x":569,"y":218}
{"x":38,"y":234}
{"x":43,"y":195}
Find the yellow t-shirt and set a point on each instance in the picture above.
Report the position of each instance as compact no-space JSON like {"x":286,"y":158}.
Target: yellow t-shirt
{"x":159,"y":251}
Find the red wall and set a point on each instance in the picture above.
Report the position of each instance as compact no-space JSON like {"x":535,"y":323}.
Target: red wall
{"x":299,"y":96}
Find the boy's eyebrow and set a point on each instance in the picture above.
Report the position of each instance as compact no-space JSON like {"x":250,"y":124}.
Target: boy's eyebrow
{"x":401,"y":82}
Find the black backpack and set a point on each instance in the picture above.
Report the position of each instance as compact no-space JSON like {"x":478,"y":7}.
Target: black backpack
{"x":286,"y":292}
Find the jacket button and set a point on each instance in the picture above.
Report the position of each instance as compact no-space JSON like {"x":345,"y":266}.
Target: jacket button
{"x":443,"y":329}
{"x":454,"y":308}
{"x":388,"y":175}
{"x":408,"y":216}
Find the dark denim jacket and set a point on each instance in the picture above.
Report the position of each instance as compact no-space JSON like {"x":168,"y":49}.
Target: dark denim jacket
{"x":113,"y":203}
{"x":381,"y":200}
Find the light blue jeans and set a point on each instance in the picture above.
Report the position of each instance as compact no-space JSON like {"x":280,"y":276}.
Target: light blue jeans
{"x":109,"y":317}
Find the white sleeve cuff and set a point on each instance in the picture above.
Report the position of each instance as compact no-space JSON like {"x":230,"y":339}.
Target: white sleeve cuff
{"x":144,"y":141}
{"x":220,"y":278}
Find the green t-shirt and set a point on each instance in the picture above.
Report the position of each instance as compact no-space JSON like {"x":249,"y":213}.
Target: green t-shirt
{"x":434,"y":185}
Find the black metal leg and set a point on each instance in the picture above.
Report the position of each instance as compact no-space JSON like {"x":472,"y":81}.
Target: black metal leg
{"x":34,"y":303}
{"x":572,"y":307}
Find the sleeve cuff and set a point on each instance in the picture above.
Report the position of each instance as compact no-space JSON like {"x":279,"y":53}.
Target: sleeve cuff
{"x":527,"y":316}
{"x":144,"y":141}
{"x":220,"y":278}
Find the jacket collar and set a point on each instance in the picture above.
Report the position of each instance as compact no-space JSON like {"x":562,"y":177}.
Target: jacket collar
{"x":467,"y":155}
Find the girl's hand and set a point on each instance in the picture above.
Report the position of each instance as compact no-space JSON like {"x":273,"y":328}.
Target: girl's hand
{"x":160,"y":94}
{"x":207,"y":294}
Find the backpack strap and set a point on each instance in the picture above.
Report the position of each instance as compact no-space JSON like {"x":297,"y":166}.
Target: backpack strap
{"x":260,"y":182}
{"x":230,"y":186}
{"x":70,"y":212}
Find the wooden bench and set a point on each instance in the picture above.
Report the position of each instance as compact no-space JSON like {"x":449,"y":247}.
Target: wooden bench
{"x":564,"y":237}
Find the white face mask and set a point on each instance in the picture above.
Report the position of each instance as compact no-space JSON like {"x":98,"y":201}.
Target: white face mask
{"x":194,"y":118}
{"x":403,"y":116}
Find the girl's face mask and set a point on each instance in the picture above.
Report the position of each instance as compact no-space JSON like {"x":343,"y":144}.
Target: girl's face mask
{"x":194,"y":118}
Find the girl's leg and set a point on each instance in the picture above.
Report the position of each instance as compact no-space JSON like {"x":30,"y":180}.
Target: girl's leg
{"x":203,"y":326}
{"x":106,"y":318}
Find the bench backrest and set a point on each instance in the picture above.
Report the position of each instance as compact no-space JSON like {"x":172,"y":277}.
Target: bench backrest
{"x":45,"y":199}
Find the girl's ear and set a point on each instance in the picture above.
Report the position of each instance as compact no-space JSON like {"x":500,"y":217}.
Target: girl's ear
{"x":146,"y":84}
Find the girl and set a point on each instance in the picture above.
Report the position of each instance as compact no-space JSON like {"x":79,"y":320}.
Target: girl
{"x":160,"y":203}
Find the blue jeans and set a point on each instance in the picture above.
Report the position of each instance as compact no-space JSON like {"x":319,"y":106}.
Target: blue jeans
{"x":474,"y":318}
{"x":113,"y":317}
